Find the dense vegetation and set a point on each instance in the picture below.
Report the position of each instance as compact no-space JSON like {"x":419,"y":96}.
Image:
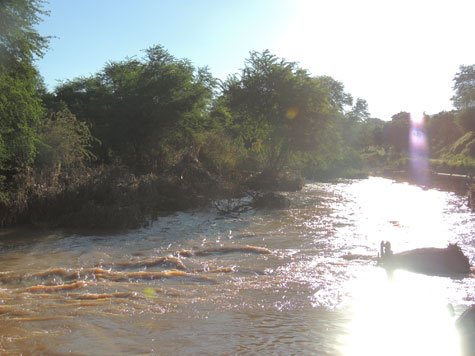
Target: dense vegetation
{"x":152,"y":134}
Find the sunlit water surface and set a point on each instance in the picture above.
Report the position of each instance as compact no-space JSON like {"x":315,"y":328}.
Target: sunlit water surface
{"x":122,"y":295}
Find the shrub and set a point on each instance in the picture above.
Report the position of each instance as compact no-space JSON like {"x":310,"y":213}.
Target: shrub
{"x":220,"y":154}
{"x":63,"y":140}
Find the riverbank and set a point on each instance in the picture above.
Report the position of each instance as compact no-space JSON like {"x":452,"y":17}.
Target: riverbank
{"x":458,"y":183}
{"x":109,"y":197}
{"x":116,"y":198}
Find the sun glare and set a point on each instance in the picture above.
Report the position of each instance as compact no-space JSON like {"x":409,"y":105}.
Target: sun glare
{"x":398,"y":317}
{"x":417,"y":118}
{"x":419,"y":148}
{"x":406,"y":313}
{"x":406,"y":215}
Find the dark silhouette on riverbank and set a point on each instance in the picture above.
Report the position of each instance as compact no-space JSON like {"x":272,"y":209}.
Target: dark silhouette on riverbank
{"x":449,"y":261}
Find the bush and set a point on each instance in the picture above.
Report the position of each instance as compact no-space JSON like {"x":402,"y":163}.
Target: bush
{"x":469,"y":150}
{"x":466,"y":119}
{"x":63,"y":141}
{"x":461,"y":143}
{"x":374,"y":159}
{"x":220,"y":154}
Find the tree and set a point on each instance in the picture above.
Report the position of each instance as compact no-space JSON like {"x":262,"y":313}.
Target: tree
{"x":359,"y":112}
{"x":279,"y":108}
{"x":464,"y":87}
{"x":19,"y":40}
{"x":351,"y":121}
{"x":442,"y":130}
{"x":464,"y":98}
{"x":139,"y":109}
{"x":63,"y":141}
{"x":396,"y":132}
{"x":466,"y":118}
{"x":337,"y":98}
{"x":20,"y":106}
{"x":20,"y":111}
{"x":370,"y":133}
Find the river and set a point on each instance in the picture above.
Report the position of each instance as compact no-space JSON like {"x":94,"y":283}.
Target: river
{"x":266,"y":282}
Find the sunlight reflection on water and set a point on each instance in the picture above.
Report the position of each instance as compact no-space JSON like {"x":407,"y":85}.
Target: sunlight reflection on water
{"x":408,"y":216}
{"x":406,"y":313}
{"x":302,"y":298}
{"x":403,"y":315}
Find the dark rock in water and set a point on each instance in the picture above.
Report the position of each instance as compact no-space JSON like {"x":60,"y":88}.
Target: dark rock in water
{"x":447,"y":261}
{"x":271,"y":201}
{"x":290,"y":182}
{"x":465,"y":325}
{"x":466,"y":321}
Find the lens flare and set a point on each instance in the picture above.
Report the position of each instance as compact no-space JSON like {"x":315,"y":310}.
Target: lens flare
{"x":292,"y":112}
{"x":418,"y":148}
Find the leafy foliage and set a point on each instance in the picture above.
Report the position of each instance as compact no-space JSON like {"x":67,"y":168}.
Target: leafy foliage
{"x":463,"y":145}
{"x":359,"y":112}
{"x":442,"y":130}
{"x":20,"y":111}
{"x":279,"y":107}
{"x":464,"y":87}
{"x":63,"y":141}
{"x":19,"y":40}
{"x":139,"y":108}
{"x":464,"y":98}
{"x":220,"y":154}
{"x":466,"y":118}
{"x":20,"y":106}
{"x":370,"y":134}
{"x":396,"y":132}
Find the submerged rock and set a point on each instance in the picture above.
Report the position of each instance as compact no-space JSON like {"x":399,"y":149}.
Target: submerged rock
{"x":465,"y":325}
{"x":430,"y":260}
{"x":466,"y":321}
{"x":271,"y":201}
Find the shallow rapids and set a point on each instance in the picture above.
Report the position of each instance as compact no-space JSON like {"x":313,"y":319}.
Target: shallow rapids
{"x":267,"y":282}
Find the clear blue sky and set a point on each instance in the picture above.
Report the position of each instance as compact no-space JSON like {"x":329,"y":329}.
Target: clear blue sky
{"x":399,"y":56}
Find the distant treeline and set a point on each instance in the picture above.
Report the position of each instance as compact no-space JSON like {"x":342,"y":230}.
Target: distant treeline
{"x":144,"y":115}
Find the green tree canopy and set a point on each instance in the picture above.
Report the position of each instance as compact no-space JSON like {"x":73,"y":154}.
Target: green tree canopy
{"x":359,"y":112}
{"x":63,"y":141}
{"x":336,"y":95}
{"x":464,"y":98}
{"x":370,"y":133}
{"x":279,"y":107}
{"x":19,"y":40}
{"x":137,"y":108}
{"x":20,"y":107}
{"x":442,"y":131}
{"x":396,"y":132}
{"x":464,"y":87}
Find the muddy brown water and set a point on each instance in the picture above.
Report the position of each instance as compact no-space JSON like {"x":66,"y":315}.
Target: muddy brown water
{"x":267,"y":282}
